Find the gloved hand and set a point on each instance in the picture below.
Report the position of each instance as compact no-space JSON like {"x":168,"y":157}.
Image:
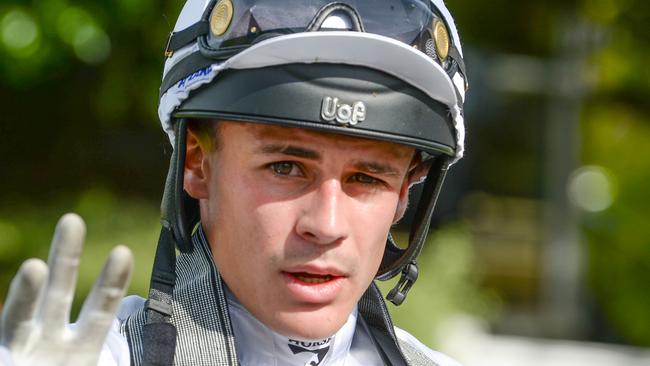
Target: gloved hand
{"x":34,"y":328}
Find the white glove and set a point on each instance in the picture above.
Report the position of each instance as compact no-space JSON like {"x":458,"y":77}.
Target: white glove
{"x":34,"y":328}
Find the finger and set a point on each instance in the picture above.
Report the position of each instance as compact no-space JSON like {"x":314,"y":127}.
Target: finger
{"x":20,"y":305}
{"x":101,"y":305}
{"x":63,"y":263}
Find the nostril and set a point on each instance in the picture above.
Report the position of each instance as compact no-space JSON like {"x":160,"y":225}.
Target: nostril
{"x":322,"y":237}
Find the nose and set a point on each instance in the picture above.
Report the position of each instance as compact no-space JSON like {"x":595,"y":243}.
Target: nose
{"x":323,"y":219}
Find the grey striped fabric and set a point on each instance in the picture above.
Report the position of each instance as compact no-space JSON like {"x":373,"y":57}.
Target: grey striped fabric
{"x":415,"y":356}
{"x":200,"y":314}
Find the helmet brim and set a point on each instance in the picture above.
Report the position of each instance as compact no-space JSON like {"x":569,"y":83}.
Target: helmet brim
{"x":353,"y":48}
{"x":300,"y":95}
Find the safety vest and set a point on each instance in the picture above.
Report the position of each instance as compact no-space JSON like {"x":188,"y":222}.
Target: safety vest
{"x":203,"y":332}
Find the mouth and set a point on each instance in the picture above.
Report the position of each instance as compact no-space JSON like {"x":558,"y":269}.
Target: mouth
{"x":311,"y":278}
{"x":315,"y":288}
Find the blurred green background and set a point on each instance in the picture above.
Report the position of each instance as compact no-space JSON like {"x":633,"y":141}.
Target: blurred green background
{"x":542,"y":230}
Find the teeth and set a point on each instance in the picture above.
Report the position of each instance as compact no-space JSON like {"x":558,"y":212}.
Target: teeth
{"x":313,"y":280}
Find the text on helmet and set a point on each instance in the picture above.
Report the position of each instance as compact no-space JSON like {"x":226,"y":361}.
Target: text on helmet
{"x":345,"y":114}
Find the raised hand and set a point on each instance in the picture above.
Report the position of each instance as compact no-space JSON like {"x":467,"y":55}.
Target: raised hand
{"x":34,"y":329}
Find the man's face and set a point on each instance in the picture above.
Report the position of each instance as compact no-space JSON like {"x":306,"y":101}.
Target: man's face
{"x":297,"y":220}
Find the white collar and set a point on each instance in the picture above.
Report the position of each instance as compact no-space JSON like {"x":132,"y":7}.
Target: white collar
{"x":258,"y":345}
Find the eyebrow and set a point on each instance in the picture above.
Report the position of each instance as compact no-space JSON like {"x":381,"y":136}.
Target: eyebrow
{"x":301,"y":152}
{"x":376,"y":168}
{"x":296,"y":151}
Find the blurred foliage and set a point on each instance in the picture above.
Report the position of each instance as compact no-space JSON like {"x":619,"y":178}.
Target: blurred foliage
{"x":615,"y":131}
{"x":614,"y":128}
{"x":78,"y":91}
{"x":616,"y":138}
{"x":87,"y":73}
{"x":448,"y":285}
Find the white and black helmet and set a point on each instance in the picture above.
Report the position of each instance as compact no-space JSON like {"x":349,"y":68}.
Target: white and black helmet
{"x":390,"y":70}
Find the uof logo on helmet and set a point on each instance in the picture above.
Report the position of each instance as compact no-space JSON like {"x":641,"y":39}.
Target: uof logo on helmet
{"x":345,"y":114}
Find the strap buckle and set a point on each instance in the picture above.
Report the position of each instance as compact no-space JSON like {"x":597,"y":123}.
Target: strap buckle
{"x":159,"y":306}
{"x":409,"y":275}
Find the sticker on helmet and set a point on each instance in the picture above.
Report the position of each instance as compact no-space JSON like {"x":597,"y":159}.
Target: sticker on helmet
{"x":202,"y":75}
{"x":344,"y":114}
{"x":221,"y":16}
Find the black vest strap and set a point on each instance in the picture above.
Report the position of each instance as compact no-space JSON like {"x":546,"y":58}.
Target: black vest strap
{"x":373,"y":309}
{"x":159,"y":335}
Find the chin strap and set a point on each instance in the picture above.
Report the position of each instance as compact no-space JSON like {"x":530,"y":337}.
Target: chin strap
{"x":404,"y":260}
{"x":179,"y":211}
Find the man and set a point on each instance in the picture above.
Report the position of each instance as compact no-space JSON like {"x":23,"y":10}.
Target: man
{"x":298,"y":129}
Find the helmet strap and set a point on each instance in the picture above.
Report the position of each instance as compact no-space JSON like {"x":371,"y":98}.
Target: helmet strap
{"x":179,"y":211}
{"x":406,"y":263}
{"x":159,"y":334}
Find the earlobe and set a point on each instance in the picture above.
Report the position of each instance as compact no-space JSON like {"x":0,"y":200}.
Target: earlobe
{"x":196,"y":172}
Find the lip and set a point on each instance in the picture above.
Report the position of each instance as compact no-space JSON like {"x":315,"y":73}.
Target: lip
{"x":317,"y":270}
{"x":314,"y":293}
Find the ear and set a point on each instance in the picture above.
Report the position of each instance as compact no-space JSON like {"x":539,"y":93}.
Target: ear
{"x":196,"y":170}
{"x":417,"y":173}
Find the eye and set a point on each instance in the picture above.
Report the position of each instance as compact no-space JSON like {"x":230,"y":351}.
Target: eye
{"x":364,"y":179}
{"x":285,"y":168}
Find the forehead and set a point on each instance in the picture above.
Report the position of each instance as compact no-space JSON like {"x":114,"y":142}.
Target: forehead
{"x":257,"y":134}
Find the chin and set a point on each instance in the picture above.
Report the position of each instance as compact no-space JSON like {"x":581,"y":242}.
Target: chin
{"x":311,"y":325}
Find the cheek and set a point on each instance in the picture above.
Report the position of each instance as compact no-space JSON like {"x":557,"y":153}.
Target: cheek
{"x":371,"y":228}
{"x":380,"y":212}
{"x":275,"y":219}
{"x":249,"y":218}
{"x":245,"y":234}
{"x":230,"y":216}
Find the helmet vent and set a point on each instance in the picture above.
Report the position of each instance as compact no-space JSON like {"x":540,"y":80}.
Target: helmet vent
{"x":337,"y":20}
{"x":430,"y":49}
{"x":341,"y":16}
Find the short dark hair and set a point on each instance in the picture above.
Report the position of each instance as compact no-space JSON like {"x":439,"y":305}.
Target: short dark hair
{"x":207,"y":131}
